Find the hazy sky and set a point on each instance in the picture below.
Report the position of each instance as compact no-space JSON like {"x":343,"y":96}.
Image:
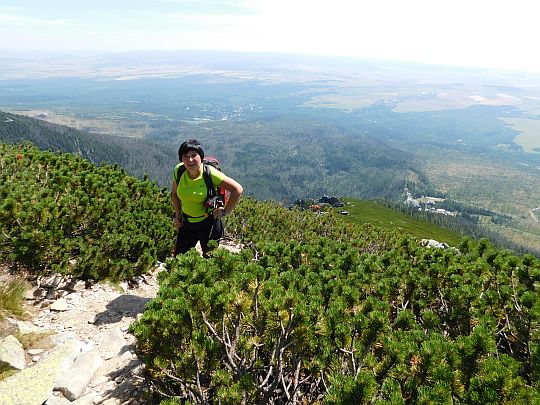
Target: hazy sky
{"x":490,"y":33}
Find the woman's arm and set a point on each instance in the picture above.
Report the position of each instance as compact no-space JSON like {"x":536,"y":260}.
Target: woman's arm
{"x":177,"y":205}
{"x":235,"y":190}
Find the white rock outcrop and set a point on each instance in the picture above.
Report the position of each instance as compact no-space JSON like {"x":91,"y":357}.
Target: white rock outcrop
{"x":12,"y":353}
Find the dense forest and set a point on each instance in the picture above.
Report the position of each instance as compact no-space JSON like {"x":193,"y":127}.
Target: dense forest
{"x":312,"y":310}
{"x":138,"y":157}
{"x":268,"y":168}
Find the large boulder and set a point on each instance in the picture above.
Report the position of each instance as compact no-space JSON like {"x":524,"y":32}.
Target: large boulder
{"x":76,"y":378}
{"x":34,"y":385}
{"x":12,"y":353}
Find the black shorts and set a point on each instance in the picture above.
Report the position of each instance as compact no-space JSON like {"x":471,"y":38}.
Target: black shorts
{"x":192,"y":232}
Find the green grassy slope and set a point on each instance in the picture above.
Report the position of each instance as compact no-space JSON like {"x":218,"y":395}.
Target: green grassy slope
{"x":374,"y":213}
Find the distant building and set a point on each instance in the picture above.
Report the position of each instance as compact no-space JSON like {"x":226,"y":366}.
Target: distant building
{"x":333,"y":201}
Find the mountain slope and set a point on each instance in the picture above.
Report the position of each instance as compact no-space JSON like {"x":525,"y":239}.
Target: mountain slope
{"x":312,"y":306}
{"x":377,"y":214}
{"x":137,"y":156}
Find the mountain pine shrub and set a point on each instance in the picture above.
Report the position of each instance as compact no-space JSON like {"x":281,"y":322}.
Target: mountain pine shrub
{"x":61,"y":213}
{"x":316,"y":313}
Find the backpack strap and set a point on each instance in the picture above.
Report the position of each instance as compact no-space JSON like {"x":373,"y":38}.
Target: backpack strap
{"x":210,"y":189}
{"x":179,"y":172}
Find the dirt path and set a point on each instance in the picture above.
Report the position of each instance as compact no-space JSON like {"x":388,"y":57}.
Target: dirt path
{"x":99,"y":317}
{"x":533,"y":215}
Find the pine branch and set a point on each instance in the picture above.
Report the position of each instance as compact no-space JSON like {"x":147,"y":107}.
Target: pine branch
{"x":282,"y":344}
{"x":230,"y":365}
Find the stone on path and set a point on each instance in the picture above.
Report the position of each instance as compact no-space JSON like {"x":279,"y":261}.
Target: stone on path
{"x":112,"y":342}
{"x":57,"y":400}
{"x":59,"y":305}
{"x":22,"y":327}
{"x":76,"y":378}
{"x":12,"y":353}
{"x":38,"y":380}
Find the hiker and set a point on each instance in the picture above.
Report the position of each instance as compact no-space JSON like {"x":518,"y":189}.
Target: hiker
{"x":197,"y":216}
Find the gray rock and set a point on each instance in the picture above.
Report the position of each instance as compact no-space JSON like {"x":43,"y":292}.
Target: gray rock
{"x":51,"y":281}
{"x":111,"y":401}
{"x":23,"y":327}
{"x":112,"y":342}
{"x":57,"y":400}
{"x":62,"y":293}
{"x":431,"y":243}
{"x":74,"y":380}
{"x":113,"y":366}
{"x":29,"y":295}
{"x":73,"y":298}
{"x":38,"y":293}
{"x":89,"y":399}
{"x":34,"y":385}
{"x":63,"y":337}
{"x":76,"y":285}
{"x":59,"y":305}
{"x":100,"y":380}
{"x":12,"y":353}
{"x":51,"y":294}
{"x":126,"y":389}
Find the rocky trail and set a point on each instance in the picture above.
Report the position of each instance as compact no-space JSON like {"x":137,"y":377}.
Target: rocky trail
{"x":85,"y":355}
{"x":89,"y":355}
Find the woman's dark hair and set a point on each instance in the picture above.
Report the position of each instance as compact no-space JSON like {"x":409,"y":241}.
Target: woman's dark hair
{"x":190,"y":144}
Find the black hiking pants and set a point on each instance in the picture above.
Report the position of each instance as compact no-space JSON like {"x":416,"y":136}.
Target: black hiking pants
{"x":192,"y":232}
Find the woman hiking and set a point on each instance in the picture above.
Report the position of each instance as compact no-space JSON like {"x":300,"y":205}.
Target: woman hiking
{"x":198,"y":210}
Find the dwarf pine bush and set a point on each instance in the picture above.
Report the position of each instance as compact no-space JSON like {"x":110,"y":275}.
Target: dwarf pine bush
{"x":343,"y":315}
{"x":61,"y":213}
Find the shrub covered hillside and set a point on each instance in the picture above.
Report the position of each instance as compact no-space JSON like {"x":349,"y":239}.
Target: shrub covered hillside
{"x":315,"y":311}
{"x":60,"y":213}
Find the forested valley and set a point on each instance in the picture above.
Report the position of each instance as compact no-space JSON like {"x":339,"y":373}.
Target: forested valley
{"x":138,"y":157}
{"x":336,"y":164}
{"x":313,"y":168}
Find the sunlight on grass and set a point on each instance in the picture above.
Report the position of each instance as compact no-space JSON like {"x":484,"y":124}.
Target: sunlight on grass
{"x":12,"y":298}
{"x":36,"y":340}
{"x":364,"y":211}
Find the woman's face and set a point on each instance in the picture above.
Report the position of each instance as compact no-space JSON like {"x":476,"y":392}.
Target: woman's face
{"x":191,"y":160}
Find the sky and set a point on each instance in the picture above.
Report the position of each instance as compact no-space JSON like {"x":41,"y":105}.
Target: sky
{"x":480,"y":33}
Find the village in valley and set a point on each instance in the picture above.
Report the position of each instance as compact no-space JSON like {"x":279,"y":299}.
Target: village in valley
{"x":427,"y":204}
{"x":424,"y":203}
